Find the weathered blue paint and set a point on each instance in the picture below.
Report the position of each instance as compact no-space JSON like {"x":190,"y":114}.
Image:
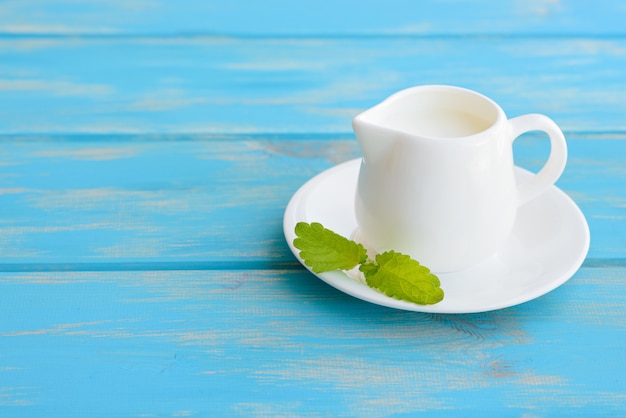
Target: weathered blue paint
{"x":318,"y":18}
{"x":216,"y":85}
{"x":148,"y":150}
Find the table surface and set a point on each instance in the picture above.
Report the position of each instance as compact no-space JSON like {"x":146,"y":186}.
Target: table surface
{"x":148,"y":150}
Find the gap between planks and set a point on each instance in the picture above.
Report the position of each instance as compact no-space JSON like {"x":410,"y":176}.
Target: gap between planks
{"x":208,"y":266}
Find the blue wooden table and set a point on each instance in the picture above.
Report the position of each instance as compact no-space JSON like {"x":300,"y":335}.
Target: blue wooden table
{"x":148,"y":150}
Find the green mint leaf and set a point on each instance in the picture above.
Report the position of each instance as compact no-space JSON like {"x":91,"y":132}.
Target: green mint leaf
{"x":394,"y":274}
{"x":324,"y":250}
{"x":399,"y":276}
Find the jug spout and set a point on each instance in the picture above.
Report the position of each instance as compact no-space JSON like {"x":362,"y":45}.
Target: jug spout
{"x":374,"y":140}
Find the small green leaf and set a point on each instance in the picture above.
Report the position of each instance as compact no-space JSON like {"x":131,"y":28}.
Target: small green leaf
{"x":399,"y":276}
{"x":324,"y":250}
{"x":394,"y":274}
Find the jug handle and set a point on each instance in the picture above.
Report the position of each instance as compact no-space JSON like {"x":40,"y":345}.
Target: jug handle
{"x":554,"y":166}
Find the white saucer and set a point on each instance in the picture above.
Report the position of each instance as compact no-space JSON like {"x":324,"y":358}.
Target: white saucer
{"x":549,"y":243}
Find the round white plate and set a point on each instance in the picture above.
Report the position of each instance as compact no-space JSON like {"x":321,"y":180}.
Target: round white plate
{"x":547,"y":246}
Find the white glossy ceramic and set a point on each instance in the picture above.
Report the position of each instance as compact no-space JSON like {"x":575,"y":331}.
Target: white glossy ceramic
{"x":437,"y":176}
{"x":547,"y":245}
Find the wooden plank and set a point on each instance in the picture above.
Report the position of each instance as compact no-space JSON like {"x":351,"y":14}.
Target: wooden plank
{"x":165,"y":201}
{"x":230,"y":85}
{"x":210,"y":202}
{"x":199,"y":343}
{"x":305,"y":18}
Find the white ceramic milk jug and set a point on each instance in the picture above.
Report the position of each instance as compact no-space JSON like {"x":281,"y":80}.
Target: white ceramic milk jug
{"x":437,"y":176}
